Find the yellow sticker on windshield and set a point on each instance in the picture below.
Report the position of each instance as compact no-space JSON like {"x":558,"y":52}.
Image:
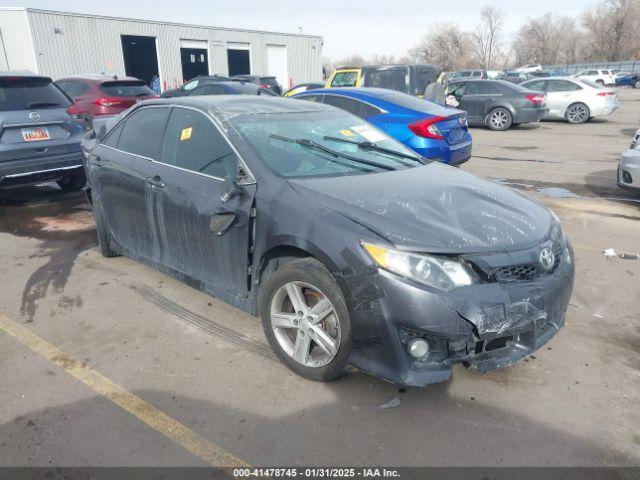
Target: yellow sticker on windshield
{"x":347,"y":133}
{"x":186,"y":134}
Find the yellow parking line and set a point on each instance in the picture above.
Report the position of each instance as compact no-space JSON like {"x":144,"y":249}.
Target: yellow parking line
{"x":145,"y":412}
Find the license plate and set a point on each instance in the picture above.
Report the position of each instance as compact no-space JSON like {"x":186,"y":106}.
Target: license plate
{"x":35,"y":134}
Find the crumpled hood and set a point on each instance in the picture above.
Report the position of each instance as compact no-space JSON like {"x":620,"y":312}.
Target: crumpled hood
{"x":434,"y":208}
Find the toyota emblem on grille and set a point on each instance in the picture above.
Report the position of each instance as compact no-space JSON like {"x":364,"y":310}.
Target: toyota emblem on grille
{"x":547,"y":258}
{"x":35,"y":116}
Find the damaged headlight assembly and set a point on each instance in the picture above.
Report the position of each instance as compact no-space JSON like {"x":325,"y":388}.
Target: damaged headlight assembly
{"x":433,"y":271}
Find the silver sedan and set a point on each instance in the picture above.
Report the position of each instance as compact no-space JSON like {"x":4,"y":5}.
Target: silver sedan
{"x":629,"y":167}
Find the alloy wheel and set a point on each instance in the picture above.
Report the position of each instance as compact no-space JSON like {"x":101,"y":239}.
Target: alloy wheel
{"x":499,"y":119}
{"x":305,"y":324}
{"x":577,"y":113}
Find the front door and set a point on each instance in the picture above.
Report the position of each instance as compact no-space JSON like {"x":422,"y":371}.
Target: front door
{"x":477,"y":99}
{"x":118,"y":171}
{"x":202,"y":234}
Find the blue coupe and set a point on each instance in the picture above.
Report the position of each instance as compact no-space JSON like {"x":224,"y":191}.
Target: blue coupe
{"x":430,"y":129}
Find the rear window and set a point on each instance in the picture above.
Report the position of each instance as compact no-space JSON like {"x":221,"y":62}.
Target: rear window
{"x":30,"y":93}
{"x":391,"y":78}
{"x":246,"y":88}
{"x":126,"y":89}
{"x":415,"y":103}
{"x":424,"y":76}
{"x":268,"y":80}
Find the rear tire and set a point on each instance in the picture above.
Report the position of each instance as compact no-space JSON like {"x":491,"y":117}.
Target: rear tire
{"x":72,"y":183}
{"x":637,"y":84}
{"x":294,"y":330}
{"x":104,"y":237}
{"x":577,"y":113}
{"x":499,"y":119}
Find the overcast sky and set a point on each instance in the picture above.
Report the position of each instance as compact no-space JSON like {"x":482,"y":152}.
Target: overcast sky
{"x":348,"y":26}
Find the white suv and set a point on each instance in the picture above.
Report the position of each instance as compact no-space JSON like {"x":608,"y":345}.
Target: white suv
{"x":602,"y":77}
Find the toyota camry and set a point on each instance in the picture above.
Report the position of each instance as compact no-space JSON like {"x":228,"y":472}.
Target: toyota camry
{"x":350,"y":247}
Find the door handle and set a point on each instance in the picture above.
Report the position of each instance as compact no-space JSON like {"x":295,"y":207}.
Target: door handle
{"x":155,"y":182}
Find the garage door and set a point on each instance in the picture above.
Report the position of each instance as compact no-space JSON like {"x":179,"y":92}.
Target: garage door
{"x":277,"y":64}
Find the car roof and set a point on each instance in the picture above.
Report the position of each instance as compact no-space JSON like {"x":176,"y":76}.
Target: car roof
{"x":571,"y":79}
{"x":225,"y":106}
{"x":101,"y":77}
{"x":22,"y":73}
{"x":352,"y":91}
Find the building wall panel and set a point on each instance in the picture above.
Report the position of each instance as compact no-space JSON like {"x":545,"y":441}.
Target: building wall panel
{"x":70,"y":44}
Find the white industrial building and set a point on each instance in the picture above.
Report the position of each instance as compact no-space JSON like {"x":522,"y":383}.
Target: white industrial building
{"x":59,"y":44}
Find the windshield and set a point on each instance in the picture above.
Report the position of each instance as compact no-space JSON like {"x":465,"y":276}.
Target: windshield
{"x":29,"y":93}
{"x":272,"y":135}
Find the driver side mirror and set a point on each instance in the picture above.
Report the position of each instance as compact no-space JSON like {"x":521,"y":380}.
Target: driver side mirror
{"x":232,"y":189}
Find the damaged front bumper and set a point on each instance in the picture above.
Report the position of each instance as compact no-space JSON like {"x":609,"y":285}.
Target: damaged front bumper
{"x":484,"y":326}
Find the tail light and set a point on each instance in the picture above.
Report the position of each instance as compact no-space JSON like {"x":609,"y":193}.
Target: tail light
{"x":536,"y":98}
{"x":427,"y":128}
{"x":107,"y":101}
{"x":606,"y":94}
{"x":264,"y":85}
{"x":75,"y":111}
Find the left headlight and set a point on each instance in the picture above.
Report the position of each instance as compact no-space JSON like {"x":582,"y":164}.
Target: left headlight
{"x":437,"y":272}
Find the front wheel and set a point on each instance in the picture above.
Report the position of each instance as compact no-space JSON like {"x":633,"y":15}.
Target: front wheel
{"x":499,"y":119}
{"x":305,"y":319}
{"x":577,"y":113}
{"x":637,"y":84}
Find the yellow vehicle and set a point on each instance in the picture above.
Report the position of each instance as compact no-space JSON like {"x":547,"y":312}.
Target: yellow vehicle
{"x":412,"y":79}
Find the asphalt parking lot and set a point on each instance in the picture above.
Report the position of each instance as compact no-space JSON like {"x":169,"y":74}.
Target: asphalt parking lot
{"x":108,"y":362}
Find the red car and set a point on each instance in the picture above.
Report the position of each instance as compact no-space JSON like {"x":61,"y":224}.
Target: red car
{"x":96,"y":95}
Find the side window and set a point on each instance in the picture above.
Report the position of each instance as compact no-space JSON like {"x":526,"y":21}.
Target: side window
{"x":350,"y":105}
{"x":72,"y":88}
{"x":143,"y":131}
{"x":457,"y":90}
{"x":481,"y":88}
{"x":592,"y":72}
{"x":201,"y":90}
{"x":312,"y":98}
{"x":192,"y":142}
{"x":114,"y":136}
{"x":216,"y":90}
{"x":563,"y":86}
{"x":345,"y":79}
{"x":538,"y":86}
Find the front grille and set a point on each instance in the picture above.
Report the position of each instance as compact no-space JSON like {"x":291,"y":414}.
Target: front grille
{"x":529,"y":271}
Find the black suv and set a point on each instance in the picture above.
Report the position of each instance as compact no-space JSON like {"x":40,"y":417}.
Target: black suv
{"x":40,"y":133}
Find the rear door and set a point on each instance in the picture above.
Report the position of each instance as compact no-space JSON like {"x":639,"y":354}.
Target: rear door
{"x":561,"y":94}
{"x":33,"y":120}
{"x":118,"y":171}
{"x":201,"y":233}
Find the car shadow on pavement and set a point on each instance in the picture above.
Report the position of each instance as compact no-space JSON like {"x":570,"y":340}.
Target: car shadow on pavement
{"x":429,"y":428}
{"x":61,"y":222}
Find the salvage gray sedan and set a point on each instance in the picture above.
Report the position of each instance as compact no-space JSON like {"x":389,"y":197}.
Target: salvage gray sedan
{"x":350,"y":247}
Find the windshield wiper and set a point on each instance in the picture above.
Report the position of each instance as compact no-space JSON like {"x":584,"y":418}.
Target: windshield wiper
{"x":42,"y":104}
{"x":305,"y":142}
{"x":365,"y":145}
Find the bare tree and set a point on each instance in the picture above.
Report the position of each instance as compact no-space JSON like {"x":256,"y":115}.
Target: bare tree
{"x":612,"y":28}
{"x":548,"y":39}
{"x":485,"y":40}
{"x":445,"y":45}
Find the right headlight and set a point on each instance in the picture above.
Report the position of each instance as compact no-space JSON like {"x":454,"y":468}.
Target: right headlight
{"x":437,"y":272}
